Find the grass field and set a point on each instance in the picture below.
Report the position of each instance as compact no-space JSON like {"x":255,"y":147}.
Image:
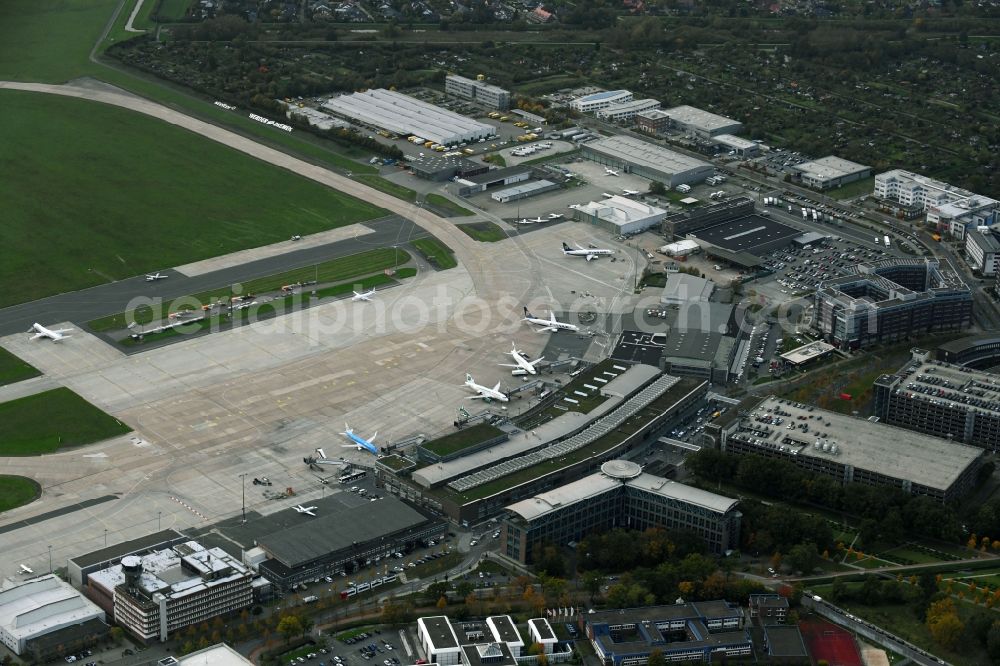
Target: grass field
{"x":48,"y":421}
{"x":463,"y":439}
{"x":17,"y":491}
{"x":387,"y":186}
{"x":447,"y":205}
{"x":435,"y":252}
{"x":335,"y":270}
{"x":146,"y":208}
{"x":13,"y":369}
{"x":484,"y":232}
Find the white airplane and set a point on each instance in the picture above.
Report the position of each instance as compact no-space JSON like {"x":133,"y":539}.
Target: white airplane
{"x":25,"y":569}
{"x":574,"y":206}
{"x":54,"y":335}
{"x":606,"y":195}
{"x":526,"y":221}
{"x":555,"y":216}
{"x":366,"y":296}
{"x":590,"y":253}
{"x":360,"y":442}
{"x":630,"y":193}
{"x":156,"y":276}
{"x":549,"y":324}
{"x":521,"y":362}
{"x":610,"y":172}
{"x":308,"y":510}
{"x":538,"y":220}
{"x":485,"y":392}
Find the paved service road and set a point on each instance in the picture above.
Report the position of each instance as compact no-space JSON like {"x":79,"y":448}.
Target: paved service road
{"x":87,"y":304}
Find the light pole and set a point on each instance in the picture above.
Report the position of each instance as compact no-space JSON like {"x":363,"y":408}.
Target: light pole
{"x":105,"y":537}
{"x":243,"y":478}
{"x":50,"y":559}
{"x":158,"y":514}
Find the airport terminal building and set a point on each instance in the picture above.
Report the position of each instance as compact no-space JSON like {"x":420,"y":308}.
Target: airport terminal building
{"x":621,"y":495}
{"x":850,"y":449}
{"x":941,"y":399}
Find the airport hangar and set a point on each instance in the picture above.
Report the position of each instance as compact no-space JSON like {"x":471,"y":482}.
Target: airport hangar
{"x":648,"y":160}
{"x":405,"y":115}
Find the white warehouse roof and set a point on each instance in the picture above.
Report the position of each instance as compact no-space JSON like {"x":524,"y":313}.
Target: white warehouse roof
{"x":644,"y":154}
{"x":703,"y":120}
{"x":40,"y":606}
{"x":622,"y":211}
{"x":405,"y":115}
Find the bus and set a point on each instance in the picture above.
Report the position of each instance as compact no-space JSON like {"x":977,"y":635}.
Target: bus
{"x":887,"y":241}
{"x":351,"y":477}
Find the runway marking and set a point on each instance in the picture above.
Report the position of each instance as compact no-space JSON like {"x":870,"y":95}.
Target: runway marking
{"x":311,"y":382}
{"x":101,"y":454}
{"x":423,"y":346}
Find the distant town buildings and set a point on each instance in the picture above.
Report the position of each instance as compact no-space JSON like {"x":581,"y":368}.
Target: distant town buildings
{"x":478,"y":90}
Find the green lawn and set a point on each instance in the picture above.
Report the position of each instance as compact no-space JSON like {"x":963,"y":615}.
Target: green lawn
{"x":17,"y":491}
{"x":147,"y":206}
{"x":383,"y":185}
{"x":13,"y":369}
{"x":851,"y":190}
{"x":436,"y":252}
{"x":49,"y":421}
{"x":462,"y":439}
{"x":335,"y":270}
{"x":447,"y":205}
{"x":484,"y":232}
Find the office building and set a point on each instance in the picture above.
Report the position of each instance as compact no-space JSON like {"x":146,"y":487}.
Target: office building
{"x":216,"y":655}
{"x":707,"y":631}
{"x":407,"y":116}
{"x":851,"y":449}
{"x":503,"y":630}
{"x":490,"y":96}
{"x":540,"y":632}
{"x":648,"y":160}
{"x":769,"y":608}
{"x":438,"y":641}
{"x":982,"y":249}
{"x":912,"y":189}
{"x":700,"y":123}
{"x":891,"y":300}
{"x":958,"y":217}
{"x":626,"y":111}
{"x":830,"y":172}
{"x":621,"y":215}
{"x":941,"y":399}
{"x":43,"y":618}
{"x":621,"y":495}
{"x":600,"y":100}
{"x":159,"y":593}
{"x":975,"y":351}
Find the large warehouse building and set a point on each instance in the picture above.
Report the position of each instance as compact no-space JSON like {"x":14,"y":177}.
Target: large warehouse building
{"x":735,"y":239}
{"x":44,"y":617}
{"x":621,"y":215}
{"x":648,"y":160}
{"x":701,"y":123}
{"x":942,"y":399}
{"x":830,"y":172}
{"x":852,"y":449}
{"x":621,"y":495}
{"x":890,"y":300}
{"x":405,"y":115}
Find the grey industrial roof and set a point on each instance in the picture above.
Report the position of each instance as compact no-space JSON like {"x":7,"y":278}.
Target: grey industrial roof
{"x":785,"y":641}
{"x":604,"y":94}
{"x":689,"y":610}
{"x":671,"y":489}
{"x":493,"y":175}
{"x":329,"y":532}
{"x":969,"y":343}
{"x":894,"y":452}
{"x":684,"y":346}
{"x":706,"y":120}
{"x":639,"y":347}
{"x":505,"y":629}
{"x":525,"y":188}
{"x":745,"y":234}
{"x":830,"y":167}
{"x":734,"y":141}
{"x":439,"y":631}
{"x":987,"y":241}
{"x":542,"y":628}
{"x":41,"y":605}
{"x":116,"y":551}
{"x":645,"y":154}
{"x":683,"y":287}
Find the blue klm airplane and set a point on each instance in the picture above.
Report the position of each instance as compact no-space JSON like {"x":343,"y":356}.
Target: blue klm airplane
{"x":360,"y":442}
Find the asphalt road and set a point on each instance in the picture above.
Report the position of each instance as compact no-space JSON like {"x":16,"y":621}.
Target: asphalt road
{"x":83,"y":306}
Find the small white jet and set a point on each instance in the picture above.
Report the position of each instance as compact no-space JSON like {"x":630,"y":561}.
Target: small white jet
{"x":55,"y":335}
{"x":25,"y":569}
{"x":538,"y":220}
{"x":156,"y":276}
{"x":521,"y":362}
{"x":365,"y":296}
{"x":607,"y":195}
{"x":630,"y":193}
{"x":590,"y":253}
{"x":308,"y":510}
{"x":610,"y":172}
{"x":549,"y":324}
{"x":556,"y":216}
{"x":485,"y":392}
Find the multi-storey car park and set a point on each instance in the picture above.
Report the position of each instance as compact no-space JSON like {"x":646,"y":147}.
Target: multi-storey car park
{"x":621,"y":495}
{"x":941,"y":399}
{"x":405,"y":115}
{"x":849,"y":449}
{"x":890,"y":300}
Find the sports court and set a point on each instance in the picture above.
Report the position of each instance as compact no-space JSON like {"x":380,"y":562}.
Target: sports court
{"x":829,"y":642}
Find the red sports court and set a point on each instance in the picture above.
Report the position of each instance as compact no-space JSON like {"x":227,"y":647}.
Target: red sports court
{"x":828,"y":641}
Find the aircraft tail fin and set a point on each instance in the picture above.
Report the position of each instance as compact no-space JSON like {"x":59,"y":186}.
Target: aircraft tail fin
{"x":566,"y":248}
{"x":469,"y":379}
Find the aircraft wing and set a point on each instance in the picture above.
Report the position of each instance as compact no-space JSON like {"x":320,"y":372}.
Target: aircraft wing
{"x":497,"y":387}
{"x":36,"y":336}
{"x":60,"y":331}
{"x":591,"y":257}
{"x":537,"y":360}
{"x":508,"y":365}
{"x":476,"y":397}
{"x":547,"y":328}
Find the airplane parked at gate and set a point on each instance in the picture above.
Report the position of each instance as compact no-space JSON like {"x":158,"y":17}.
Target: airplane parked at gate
{"x":366,"y":296}
{"x":308,"y":510}
{"x":590,"y":253}
{"x":360,"y":442}
{"x":521,"y":362}
{"x":485,"y":392}
{"x":548,"y":324}
{"x":156,"y":276}
{"x":610,"y":172}
{"x":54,"y":335}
